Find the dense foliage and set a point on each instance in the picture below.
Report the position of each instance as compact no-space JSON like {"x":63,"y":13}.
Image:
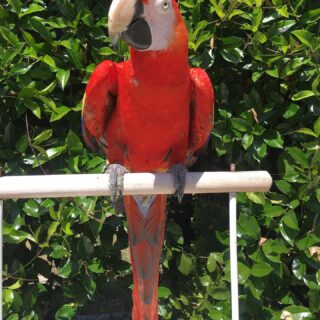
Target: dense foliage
{"x":64,"y":257}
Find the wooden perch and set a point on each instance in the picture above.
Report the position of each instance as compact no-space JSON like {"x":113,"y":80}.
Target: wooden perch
{"x":72,"y":185}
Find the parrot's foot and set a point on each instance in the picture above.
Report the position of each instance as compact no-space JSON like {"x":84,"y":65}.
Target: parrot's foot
{"x":179,"y":172}
{"x":117,"y":173}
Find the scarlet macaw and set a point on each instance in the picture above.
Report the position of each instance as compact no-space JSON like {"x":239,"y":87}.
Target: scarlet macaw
{"x":152,"y":113}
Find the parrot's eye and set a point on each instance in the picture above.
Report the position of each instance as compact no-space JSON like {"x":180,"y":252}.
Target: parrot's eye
{"x":165,"y":5}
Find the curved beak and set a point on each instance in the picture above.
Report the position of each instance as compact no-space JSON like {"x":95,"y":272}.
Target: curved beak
{"x":126,"y":20}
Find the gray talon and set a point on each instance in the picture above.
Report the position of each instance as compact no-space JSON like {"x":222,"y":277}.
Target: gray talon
{"x":179,"y":172}
{"x":116,"y":178}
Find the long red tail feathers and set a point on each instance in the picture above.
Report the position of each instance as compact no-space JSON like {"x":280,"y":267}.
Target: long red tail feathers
{"x":146,"y":216}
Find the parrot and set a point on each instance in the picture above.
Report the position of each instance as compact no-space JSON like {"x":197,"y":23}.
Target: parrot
{"x":150,"y":113}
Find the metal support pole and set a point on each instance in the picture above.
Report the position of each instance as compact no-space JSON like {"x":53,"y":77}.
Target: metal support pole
{"x":1,"y":246}
{"x":233,"y":253}
{"x":1,"y":242}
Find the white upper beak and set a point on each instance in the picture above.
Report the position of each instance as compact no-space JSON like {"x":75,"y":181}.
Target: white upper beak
{"x":120,"y":16}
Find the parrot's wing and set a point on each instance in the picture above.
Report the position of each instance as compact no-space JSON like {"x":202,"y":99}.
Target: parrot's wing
{"x":201,"y":114}
{"x":98,"y":105}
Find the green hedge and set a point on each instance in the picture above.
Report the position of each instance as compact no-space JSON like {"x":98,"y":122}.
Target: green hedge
{"x":70,"y":256}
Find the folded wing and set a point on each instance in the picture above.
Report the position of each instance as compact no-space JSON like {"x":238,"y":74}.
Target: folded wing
{"x":201,"y":115}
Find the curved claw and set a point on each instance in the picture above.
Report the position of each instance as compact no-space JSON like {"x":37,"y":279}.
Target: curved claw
{"x":179,"y":174}
{"x":117,"y":173}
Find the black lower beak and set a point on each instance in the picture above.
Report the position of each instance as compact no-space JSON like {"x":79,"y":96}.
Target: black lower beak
{"x":138,"y":35}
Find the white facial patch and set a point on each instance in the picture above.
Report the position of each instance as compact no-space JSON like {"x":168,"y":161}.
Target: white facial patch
{"x":160,"y":17}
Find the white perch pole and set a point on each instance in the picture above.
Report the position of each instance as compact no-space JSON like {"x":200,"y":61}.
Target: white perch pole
{"x":233,"y":253}
{"x":50,"y":186}
{"x":20,"y":187}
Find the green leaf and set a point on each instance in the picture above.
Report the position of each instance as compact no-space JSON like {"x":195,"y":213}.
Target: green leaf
{"x":273,"y":211}
{"x":314,"y":300}
{"x":31,"y":208}
{"x":274,"y":140}
{"x":273,"y":72}
{"x":288,"y":234}
{"x":291,"y":111}
{"x":90,"y":285}
{"x":256,"y":197}
{"x":43,"y":136}
{"x":220,"y":293}
{"x":294,"y":65}
{"x":59,"y":113}
{"x":21,"y":68}
{"x":32,"y":9}
{"x":75,"y":53}
{"x":284,"y":25}
{"x":164,"y":292}
{"x":248,"y":227}
{"x":317,"y":127}
{"x":256,"y":18}
{"x":63,"y":77}
{"x":304,"y":94}
{"x":307,"y":131}
{"x":247,"y":141}
{"x":65,"y":270}
{"x":17,"y":236}
{"x":261,"y":269}
{"x":52,"y":229}
{"x":18,"y":284}
{"x":299,"y":312}
{"x":85,"y":246}
{"x":211,"y":262}
{"x":232,"y":42}
{"x":256,"y":287}
{"x":73,"y":142}
{"x":307,"y":241}
{"x":16,"y":5}
{"x":305,"y":37}
{"x":283,"y":11}
{"x":310,"y":16}
{"x":240,"y":124}
{"x":54,"y":152}
{"x":47,"y":90}
{"x":234,"y":13}
{"x":185,"y":264}
{"x":38,"y":24}
{"x":298,"y":156}
{"x":233,"y":55}
{"x":58,"y":251}
{"x":68,"y":311}
{"x":243,"y":272}
{"x":22,"y":144}
{"x":96,"y":266}
{"x":290,"y":220}
{"x":106,"y":51}
{"x":261,"y":150}
{"x":28,"y":91}
{"x":9,"y":36}
{"x":48,"y":102}
{"x":8,"y":296}
{"x":283,"y":186}
{"x":49,"y":61}
{"x":318,"y":277}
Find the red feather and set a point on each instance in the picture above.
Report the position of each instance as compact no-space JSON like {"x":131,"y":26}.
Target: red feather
{"x":146,"y":238}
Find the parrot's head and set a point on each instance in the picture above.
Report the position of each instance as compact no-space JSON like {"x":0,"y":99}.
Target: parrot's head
{"x":146,"y":25}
